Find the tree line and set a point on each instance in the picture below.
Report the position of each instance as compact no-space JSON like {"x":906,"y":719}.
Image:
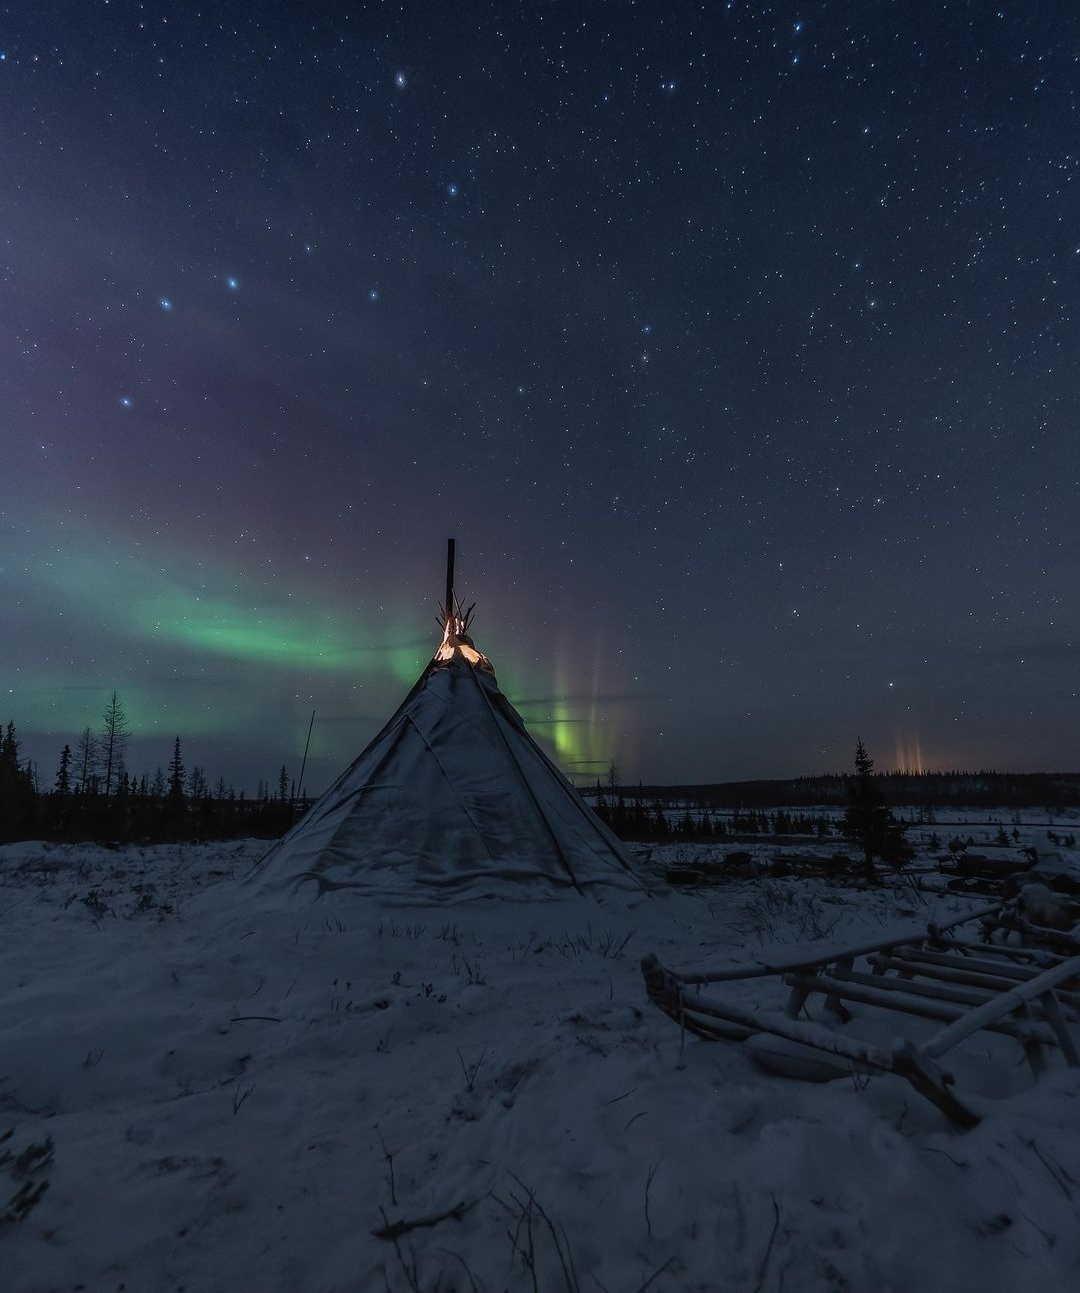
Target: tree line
{"x":868,"y":822}
{"x":1053,"y":791}
{"x":95,"y":795}
{"x":633,"y":817}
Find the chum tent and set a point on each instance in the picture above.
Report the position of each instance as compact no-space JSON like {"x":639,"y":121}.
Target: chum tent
{"x":452,"y":793}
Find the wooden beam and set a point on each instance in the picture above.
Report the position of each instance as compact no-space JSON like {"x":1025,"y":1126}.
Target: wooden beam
{"x":927,"y":1008}
{"x":448,"y":605}
{"x":993,"y":1012}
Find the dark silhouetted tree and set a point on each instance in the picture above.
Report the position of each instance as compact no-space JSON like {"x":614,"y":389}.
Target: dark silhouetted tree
{"x":86,"y":762}
{"x":113,"y":741}
{"x":196,"y":784}
{"x":18,"y":805}
{"x":63,"y":772}
{"x":59,"y":808}
{"x":176,"y":774}
{"x":868,"y":822}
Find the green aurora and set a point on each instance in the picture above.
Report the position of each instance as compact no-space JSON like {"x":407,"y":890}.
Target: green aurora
{"x":241,"y":663}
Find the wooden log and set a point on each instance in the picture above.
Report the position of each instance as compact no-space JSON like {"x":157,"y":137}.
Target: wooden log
{"x":695,"y":1013}
{"x":961,"y":996}
{"x":925,"y":1076}
{"x":924,"y":1007}
{"x":994,"y":1012}
{"x":1067,"y":944}
{"x":1012,"y":955}
{"x":1003,"y":968}
{"x":666,"y":992}
{"x":799,"y":994}
{"x":966,"y":970}
{"x":1032,"y":1047}
{"x":807,"y":958}
{"x":950,"y":970}
{"x":935,"y":929}
{"x":833,"y":1003}
{"x":1056,"y":1020}
{"x":810,"y":1034}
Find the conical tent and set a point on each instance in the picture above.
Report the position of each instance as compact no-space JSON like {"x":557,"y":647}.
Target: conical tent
{"x":452,"y":793}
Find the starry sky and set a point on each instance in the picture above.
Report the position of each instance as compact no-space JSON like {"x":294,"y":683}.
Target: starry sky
{"x":736,"y":344}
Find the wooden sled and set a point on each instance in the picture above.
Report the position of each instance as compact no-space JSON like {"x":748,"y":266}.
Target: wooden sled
{"x":1027,"y":993}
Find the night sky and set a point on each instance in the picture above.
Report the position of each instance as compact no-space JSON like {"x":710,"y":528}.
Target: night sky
{"x":736,"y":344}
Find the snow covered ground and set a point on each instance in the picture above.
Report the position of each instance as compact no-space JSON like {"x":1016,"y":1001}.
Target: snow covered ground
{"x":229,"y":1093}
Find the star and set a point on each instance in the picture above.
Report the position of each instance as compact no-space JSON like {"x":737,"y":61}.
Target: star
{"x":884,"y":340}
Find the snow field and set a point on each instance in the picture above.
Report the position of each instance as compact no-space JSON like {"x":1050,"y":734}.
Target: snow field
{"x":240,"y":1093}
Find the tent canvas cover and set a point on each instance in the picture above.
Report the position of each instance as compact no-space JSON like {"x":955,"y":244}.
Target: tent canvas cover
{"x":452,"y":793}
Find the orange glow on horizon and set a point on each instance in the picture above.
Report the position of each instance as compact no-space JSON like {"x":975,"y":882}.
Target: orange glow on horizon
{"x":909,"y":755}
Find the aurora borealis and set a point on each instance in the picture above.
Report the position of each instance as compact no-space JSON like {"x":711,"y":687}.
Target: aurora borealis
{"x":737,"y":345}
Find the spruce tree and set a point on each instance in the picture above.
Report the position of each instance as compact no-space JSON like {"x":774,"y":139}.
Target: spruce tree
{"x":18,"y":802}
{"x":176,"y":774}
{"x":868,"y":822}
{"x":63,"y":773}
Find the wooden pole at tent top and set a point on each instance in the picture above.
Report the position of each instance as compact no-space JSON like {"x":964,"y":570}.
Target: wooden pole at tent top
{"x":448,"y":605}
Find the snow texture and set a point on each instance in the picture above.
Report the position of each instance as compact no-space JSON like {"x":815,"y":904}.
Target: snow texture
{"x":229,"y":1094}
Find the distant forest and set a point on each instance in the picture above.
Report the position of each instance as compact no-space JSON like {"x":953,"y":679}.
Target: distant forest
{"x":808,"y":806}
{"x":1053,"y":791}
{"x":94,"y":796}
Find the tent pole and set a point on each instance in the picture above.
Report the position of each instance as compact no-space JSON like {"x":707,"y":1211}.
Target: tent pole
{"x":449,"y":604}
{"x":307,"y":743}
